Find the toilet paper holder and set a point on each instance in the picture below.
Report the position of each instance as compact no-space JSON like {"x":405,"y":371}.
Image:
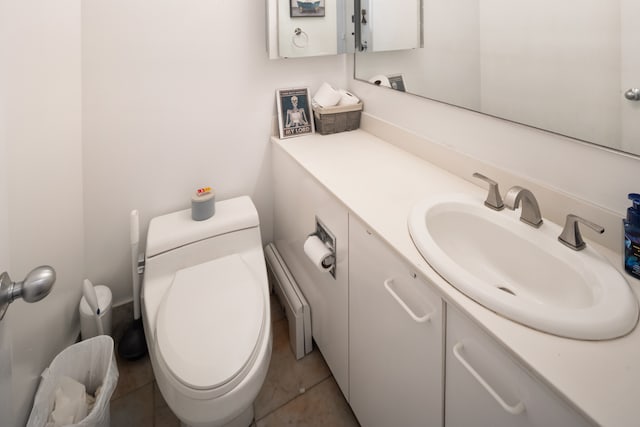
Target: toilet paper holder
{"x":327,"y":237}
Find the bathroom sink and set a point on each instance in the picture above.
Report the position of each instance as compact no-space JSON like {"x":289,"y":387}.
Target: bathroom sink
{"x":521,"y":272}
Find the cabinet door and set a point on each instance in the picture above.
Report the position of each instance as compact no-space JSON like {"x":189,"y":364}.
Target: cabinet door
{"x":395,"y":338}
{"x":298,"y":200}
{"x":486,"y":387}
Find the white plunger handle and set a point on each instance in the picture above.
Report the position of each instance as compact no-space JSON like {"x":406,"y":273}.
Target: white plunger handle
{"x":89,"y":293}
{"x":135,"y":228}
{"x":135,"y":238}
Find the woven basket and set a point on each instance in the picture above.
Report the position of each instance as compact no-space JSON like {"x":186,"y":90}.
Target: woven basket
{"x":337,"y":119}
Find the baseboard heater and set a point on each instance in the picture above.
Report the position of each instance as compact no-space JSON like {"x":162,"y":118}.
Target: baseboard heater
{"x":294,"y":303}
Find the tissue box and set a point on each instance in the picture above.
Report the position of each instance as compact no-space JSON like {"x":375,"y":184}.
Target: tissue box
{"x":337,"y":119}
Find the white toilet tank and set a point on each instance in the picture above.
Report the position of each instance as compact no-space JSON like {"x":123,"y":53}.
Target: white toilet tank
{"x":175,"y":242}
{"x":175,"y":231}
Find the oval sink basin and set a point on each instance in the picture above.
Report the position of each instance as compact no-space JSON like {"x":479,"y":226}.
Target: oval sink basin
{"x":520,"y":272}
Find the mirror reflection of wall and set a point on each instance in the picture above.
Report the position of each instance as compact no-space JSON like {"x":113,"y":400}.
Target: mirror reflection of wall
{"x":560,"y":66}
{"x":384,"y":25}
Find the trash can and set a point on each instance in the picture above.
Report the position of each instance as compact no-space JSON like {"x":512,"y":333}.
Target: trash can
{"x":91,"y":363}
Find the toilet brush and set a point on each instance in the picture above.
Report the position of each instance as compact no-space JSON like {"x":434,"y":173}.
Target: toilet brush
{"x":133,"y":344}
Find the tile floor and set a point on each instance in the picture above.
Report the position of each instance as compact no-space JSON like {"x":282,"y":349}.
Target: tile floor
{"x":295,"y":393}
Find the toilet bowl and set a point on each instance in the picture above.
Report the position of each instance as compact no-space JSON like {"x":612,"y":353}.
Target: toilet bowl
{"x":205,"y":310}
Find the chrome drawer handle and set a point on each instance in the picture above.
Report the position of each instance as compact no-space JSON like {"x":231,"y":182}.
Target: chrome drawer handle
{"x":514,"y":410}
{"x":423,"y":319}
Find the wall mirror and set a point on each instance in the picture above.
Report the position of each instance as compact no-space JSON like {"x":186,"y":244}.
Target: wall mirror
{"x":571,"y":67}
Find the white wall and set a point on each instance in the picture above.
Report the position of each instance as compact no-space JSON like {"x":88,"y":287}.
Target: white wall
{"x":594,"y":174}
{"x":4,"y":175}
{"x":6,"y":410}
{"x":40,"y":46}
{"x":176,"y":95}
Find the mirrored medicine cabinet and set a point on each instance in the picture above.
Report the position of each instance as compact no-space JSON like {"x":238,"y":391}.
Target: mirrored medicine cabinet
{"x":302,"y":28}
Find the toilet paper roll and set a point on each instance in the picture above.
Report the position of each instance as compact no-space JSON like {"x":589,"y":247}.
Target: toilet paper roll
{"x":327,"y":96}
{"x":321,"y":256}
{"x":347,"y":98}
{"x":380,"y":80}
{"x":203,"y":207}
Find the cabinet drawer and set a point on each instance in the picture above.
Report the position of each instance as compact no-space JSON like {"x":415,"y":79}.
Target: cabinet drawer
{"x":486,"y":387}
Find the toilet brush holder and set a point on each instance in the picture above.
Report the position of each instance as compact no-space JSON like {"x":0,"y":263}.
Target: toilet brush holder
{"x":88,"y":327}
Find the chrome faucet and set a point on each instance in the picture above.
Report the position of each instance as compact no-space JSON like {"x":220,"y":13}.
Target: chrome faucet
{"x":494,"y":201}
{"x":571,"y":236}
{"x":530,"y":210}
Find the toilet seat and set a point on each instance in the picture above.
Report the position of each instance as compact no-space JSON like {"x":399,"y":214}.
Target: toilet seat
{"x":210,"y":324}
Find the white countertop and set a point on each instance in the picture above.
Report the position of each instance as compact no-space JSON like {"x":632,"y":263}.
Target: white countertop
{"x":380,"y":183}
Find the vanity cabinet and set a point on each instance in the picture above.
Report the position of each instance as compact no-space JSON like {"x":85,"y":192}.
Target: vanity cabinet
{"x":486,"y":387}
{"x":395,"y":338}
{"x":400,"y":348}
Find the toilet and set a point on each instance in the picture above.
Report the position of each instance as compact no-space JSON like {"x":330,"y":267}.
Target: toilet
{"x":206,"y":316}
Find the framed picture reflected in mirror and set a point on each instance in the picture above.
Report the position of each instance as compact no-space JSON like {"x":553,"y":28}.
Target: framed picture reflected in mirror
{"x":307,"y":9}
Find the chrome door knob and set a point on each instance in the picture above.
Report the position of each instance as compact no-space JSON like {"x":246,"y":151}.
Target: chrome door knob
{"x":633,"y":94}
{"x":34,"y":287}
{"x":38,"y":283}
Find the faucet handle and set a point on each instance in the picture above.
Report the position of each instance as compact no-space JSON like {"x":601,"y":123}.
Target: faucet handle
{"x":571,"y":236}
{"x":494,"y":201}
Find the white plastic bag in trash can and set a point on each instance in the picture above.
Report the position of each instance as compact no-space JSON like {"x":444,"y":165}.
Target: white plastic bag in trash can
{"x":91,"y":362}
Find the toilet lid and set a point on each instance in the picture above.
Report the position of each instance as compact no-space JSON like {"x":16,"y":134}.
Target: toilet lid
{"x":210,"y":322}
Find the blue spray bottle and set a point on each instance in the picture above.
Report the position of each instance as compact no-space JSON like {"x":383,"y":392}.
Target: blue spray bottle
{"x":632,"y":237}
